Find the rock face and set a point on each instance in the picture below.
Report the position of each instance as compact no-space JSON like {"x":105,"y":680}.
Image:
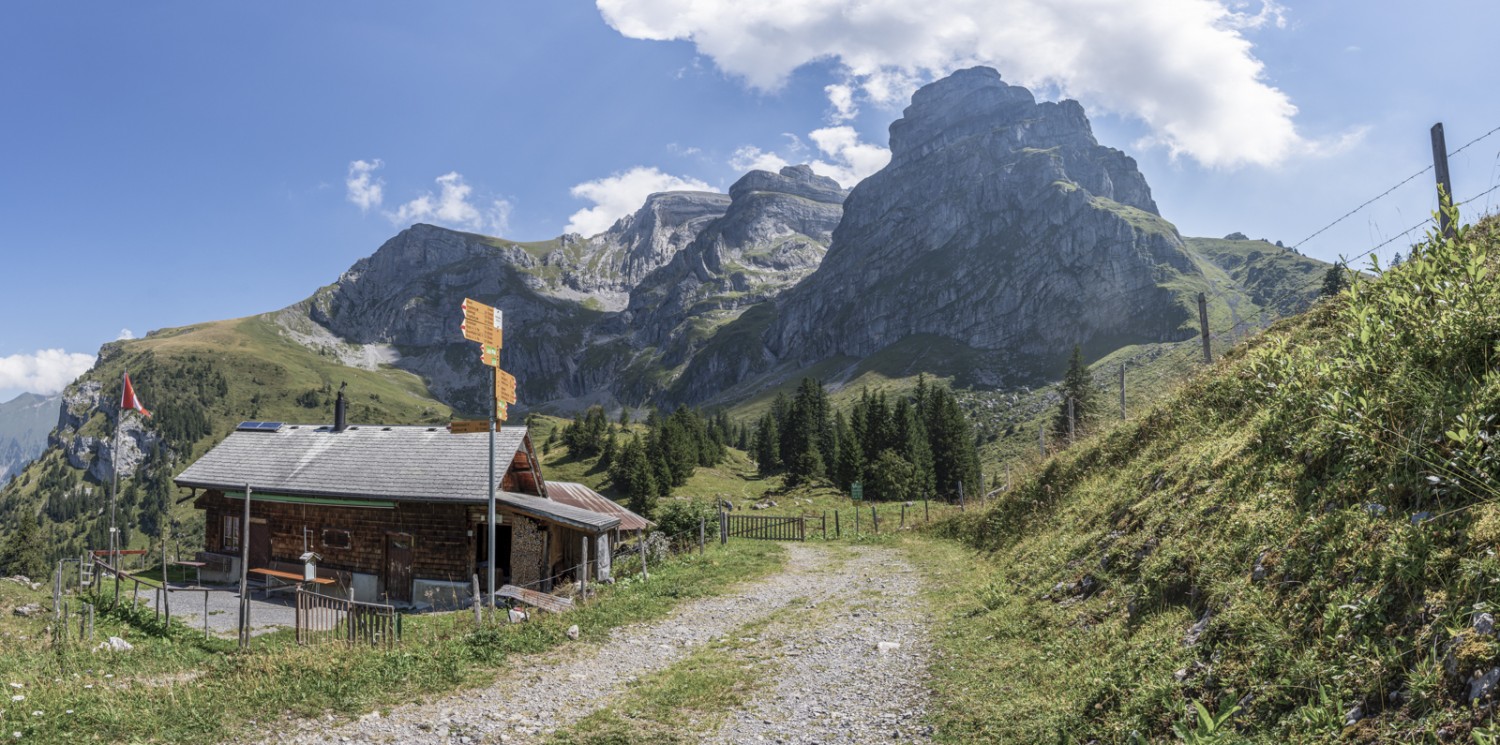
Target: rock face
{"x":98,"y":455}
{"x":1000,"y":223}
{"x":774,"y":234}
{"x":640,"y":243}
{"x":24,"y":423}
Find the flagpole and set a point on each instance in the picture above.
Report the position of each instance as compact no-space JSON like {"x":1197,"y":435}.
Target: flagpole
{"x":114,"y":467}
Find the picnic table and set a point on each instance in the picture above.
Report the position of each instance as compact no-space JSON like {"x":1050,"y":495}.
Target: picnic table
{"x":291,"y":580}
{"x":197,"y":568}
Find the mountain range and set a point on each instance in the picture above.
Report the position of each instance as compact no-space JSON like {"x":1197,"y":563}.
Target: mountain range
{"x":1000,"y":235}
{"x":24,"y":423}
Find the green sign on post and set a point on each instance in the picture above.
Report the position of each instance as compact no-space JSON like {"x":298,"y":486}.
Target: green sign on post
{"x":856,"y":491}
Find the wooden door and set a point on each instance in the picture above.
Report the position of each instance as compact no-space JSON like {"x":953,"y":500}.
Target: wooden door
{"x":398,"y":567}
{"x":260,"y":545}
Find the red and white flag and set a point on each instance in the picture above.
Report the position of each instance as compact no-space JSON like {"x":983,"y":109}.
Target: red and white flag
{"x":128,"y":400}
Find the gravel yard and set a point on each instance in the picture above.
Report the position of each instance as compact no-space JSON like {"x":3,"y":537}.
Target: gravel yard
{"x":829,"y":683}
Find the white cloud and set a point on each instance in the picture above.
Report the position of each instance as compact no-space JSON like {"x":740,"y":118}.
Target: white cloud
{"x":752,"y":158}
{"x":453,"y":207}
{"x":1184,"y":67}
{"x":845,"y":158}
{"x":125,"y":335}
{"x":620,"y":194}
{"x":363,"y":189}
{"x":841,"y":96}
{"x":46,"y":372}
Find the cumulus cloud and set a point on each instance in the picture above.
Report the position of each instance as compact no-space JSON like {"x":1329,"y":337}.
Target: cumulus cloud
{"x":844,"y":157}
{"x":620,"y":194}
{"x":125,"y":335}
{"x":453,"y":206}
{"x":46,"y":371}
{"x":364,"y":189}
{"x":1183,"y":67}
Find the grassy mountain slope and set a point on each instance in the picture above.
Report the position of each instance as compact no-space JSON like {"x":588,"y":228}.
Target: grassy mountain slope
{"x":200,"y":381}
{"x":1306,"y":531}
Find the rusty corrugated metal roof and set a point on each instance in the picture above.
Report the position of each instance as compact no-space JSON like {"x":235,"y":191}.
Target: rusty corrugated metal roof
{"x":578,"y":495}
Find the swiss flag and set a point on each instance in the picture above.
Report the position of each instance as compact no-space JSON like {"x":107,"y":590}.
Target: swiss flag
{"x":128,"y":400}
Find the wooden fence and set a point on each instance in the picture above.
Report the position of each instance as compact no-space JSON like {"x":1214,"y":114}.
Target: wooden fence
{"x":321,"y":619}
{"x":766,"y":527}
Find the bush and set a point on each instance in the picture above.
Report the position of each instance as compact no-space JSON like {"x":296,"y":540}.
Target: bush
{"x":681,"y":516}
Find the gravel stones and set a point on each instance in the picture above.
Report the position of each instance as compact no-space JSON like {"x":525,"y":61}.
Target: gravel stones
{"x":827,"y":683}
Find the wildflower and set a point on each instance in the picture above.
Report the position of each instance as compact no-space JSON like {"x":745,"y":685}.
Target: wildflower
{"x":18,"y":697}
{"x":36,"y":713}
{"x":109,"y":675}
{"x":70,"y":711}
{"x":16,"y":685}
{"x":88,"y":685}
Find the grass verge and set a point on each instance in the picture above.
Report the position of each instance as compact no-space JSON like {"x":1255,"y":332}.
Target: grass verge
{"x":176,"y":687}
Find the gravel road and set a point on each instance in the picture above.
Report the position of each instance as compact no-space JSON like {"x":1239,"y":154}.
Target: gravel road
{"x":830,"y":683}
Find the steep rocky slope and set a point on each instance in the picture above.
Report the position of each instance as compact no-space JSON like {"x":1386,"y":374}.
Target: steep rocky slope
{"x":1303,"y":538}
{"x":24,"y":423}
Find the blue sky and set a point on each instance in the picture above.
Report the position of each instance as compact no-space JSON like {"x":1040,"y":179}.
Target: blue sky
{"x":162,"y":164}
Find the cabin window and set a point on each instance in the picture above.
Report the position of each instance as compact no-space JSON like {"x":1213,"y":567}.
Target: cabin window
{"x":334,"y":538}
{"x":231,"y":537}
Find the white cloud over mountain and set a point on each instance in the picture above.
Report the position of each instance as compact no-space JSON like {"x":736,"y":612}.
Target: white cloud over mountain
{"x":45,"y":371}
{"x":842,"y":157}
{"x":453,"y":206}
{"x":364,"y":190}
{"x":620,"y":194}
{"x":1183,"y":67}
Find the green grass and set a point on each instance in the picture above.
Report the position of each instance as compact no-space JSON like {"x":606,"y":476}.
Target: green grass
{"x":681,"y":704}
{"x":178,"y":688}
{"x":1346,"y":453}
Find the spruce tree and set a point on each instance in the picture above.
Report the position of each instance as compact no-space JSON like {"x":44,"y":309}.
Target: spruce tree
{"x":25,"y":552}
{"x":767,"y":446}
{"x":608,"y":453}
{"x":632,"y":474}
{"x":1078,"y":386}
{"x":1335,"y":280}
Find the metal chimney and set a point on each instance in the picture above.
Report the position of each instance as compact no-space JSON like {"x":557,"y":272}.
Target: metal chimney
{"x":338,"y":411}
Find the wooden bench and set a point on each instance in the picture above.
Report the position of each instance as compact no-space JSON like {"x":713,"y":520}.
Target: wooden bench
{"x":291,"y":580}
{"x":550,"y":603}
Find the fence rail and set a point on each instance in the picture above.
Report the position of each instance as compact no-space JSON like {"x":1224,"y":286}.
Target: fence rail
{"x":766,"y":527}
{"x":322,"y":619}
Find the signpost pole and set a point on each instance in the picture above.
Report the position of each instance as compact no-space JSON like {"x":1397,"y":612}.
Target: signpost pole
{"x":489,"y":569}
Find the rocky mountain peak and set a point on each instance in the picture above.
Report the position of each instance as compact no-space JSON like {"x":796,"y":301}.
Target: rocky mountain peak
{"x":975,"y":106}
{"x":798,"y":180}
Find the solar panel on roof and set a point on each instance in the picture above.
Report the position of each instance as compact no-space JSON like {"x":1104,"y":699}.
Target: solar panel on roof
{"x":258,"y":427}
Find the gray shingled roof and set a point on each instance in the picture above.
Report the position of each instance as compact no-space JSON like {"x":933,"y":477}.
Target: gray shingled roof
{"x":404,"y":464}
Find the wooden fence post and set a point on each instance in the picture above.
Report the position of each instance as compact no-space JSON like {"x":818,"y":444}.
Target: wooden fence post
{"x":856,"y":520}
{"x":583,"y":573}
{"x":903,"y":516}
{"x":825,"y":525}
{"x":166,"y":587}
{"x":874,"y":520}
{"x":1203,"y":323}
{"x":1445,"y":185}
{"x":838,"y":531}
{"x":478,"y":602}
{"x":926,"y":518}
{"x":644,"y":574}
{"x":702,"y":533}
{"x":1122,"y":399}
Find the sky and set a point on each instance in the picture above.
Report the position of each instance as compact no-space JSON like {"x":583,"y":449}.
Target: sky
{"x":175,"y":162}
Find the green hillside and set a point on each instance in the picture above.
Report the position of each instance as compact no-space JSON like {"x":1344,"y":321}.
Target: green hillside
{"x":1304,"y":535}
{"x":200,"y":381}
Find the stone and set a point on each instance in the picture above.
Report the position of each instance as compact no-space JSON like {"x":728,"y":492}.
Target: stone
{"x":1354,"y":714}
{"x":1196,"y":631}
{"x":885,"y":647}
{"x":573,"y":632}
{"x":1483,"y":685}
{"x":116,"y":644}
{"x":516,"y":616}
{"x":1484,"y":624}
{"x":28,"y":610}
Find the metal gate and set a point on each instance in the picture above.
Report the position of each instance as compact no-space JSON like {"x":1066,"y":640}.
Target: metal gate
{"x":322,"y":619}
{"x":766,"y":527}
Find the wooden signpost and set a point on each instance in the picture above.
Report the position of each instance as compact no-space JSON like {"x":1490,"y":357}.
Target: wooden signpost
{"x":485,"y":324}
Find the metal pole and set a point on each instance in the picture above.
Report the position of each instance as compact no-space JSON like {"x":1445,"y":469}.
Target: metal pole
{"x":1122,"y":392}
{"x":114,"y":488}
{"x":1072,"y":423}
{"x":583,"y":572}
{"x":489,"y":570}
{"x":1041,"y":434}
{"x":1445,"y":186}
{"x":245,"y":573}
{"x":644,"y":574}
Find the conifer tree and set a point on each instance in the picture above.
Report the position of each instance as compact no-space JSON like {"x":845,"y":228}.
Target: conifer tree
{"x":608,"y":453}
{"x":1078,"y":386}
{"x":1335,"y":280}
{"x":767,"y":445}
{"x":632,"y":474}
{"x":24,"y":552}
{"x":850,"y":464}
